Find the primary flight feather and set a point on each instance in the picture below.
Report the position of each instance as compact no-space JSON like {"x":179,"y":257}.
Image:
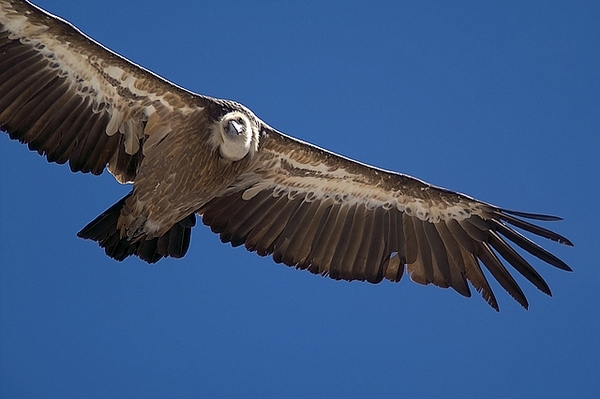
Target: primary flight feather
{"x":74,"y":101}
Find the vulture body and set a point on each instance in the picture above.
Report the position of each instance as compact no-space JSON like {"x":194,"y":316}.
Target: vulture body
{"x":74,"y":101}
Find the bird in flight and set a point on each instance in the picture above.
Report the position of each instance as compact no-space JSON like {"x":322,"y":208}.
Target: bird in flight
{"x":74,"y":101}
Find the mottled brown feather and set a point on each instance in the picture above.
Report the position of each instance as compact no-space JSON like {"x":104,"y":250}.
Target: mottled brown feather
{"x":530,"y":246}
{"x":532,"y":228}
{"x":374,"y":270}
{"x":394,"y":267}
{"x":320,"y":215}
{"x":337,"y":266}
{"x":321,"y":239}
{"x":258,"y":233}
{"x":493,"y":264}
{"x":62,"y":138}
{"x":19,"y":91}
{"x":80,"y":158}
{"x":455,"y":260}
{"x":287,"y":235}
{"x":421,"y":271}
{"x":438,"y":251}
{"x":410,"y":241}
{"x":245,"y":218}
{"x":297,"y":246}
{"x":518,"y":262}
{"x":475,"y":275}
{"x":359,"y":270}
{"x":354,"y":237}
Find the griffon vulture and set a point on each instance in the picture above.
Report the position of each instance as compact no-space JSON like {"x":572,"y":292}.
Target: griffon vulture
{"x":73,"y":100}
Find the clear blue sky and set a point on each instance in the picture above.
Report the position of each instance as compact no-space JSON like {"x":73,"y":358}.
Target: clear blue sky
{"x":499,"y":101}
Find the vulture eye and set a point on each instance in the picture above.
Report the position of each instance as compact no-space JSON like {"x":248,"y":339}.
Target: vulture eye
{"x":235,"y":127}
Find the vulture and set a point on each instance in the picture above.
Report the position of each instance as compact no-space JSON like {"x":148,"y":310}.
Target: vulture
{"x":74,"y":101}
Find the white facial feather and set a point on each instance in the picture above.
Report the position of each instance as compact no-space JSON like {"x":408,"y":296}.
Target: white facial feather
{"x":235,"y":136}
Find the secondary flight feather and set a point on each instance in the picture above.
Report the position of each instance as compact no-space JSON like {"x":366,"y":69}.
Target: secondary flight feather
{"x":76,"y":102}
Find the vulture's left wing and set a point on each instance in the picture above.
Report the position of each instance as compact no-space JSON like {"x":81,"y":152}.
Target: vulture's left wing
{"x":315,"y":210}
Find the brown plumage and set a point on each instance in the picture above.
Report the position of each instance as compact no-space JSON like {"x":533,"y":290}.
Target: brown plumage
{"x":74,"y":101}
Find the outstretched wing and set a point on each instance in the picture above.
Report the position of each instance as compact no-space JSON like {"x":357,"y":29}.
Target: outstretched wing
{"x":315,"y":210}
{"x":73,"y":100}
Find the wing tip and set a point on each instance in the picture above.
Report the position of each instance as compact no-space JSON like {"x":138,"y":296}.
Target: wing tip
{"x":534,"y":216}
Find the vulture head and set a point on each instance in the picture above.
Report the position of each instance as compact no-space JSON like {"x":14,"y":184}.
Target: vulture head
{"x":236,"y":136}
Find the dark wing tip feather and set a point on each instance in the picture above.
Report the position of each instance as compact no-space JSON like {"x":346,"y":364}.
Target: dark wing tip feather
{"x":529,"y":245}
{"x":532,"y":228}
{"x":518,"y":262}
{"x":535,"y":216}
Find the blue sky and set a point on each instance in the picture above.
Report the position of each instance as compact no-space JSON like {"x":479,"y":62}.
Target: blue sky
{"x":499,"y":101}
